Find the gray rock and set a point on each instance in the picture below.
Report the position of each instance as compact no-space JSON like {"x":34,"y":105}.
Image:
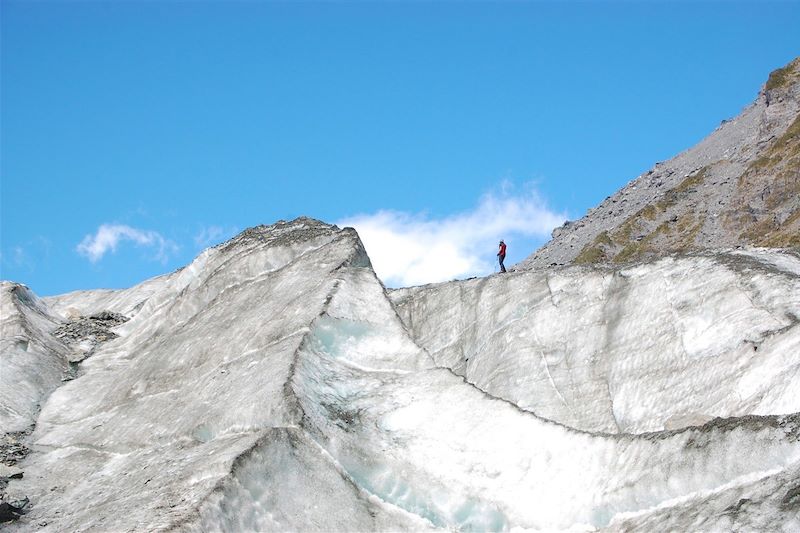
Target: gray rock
{"x":12,"y":510}
{"x":84,"y":334}
{"x":747,"y":169}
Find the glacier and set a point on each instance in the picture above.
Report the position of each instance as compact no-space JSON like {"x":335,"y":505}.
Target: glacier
{"x":275,"y":384}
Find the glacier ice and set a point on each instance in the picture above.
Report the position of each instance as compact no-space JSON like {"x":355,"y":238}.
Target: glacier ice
{"x":274,"y":384}
{"x":650,"y":347}
{"x":33,"y":361}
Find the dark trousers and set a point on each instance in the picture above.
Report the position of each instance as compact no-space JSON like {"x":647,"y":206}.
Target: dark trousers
{"x":502,"y":258}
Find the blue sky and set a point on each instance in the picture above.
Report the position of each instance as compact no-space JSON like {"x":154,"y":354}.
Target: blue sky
{"x":134,"y":134}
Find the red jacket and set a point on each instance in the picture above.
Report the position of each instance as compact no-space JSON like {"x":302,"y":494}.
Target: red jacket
{"x":502,"y":251}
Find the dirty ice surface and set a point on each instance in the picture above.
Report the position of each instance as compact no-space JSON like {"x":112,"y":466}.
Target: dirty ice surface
{"x":273,"y":384}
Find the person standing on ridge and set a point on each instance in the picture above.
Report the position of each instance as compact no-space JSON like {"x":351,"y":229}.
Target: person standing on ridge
{"x":501,"y":255}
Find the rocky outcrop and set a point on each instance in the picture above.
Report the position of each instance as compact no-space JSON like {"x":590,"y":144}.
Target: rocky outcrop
{"x":84,"y":334}
{"x":740,"y":186}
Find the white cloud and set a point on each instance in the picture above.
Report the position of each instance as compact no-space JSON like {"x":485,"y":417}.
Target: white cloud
{"x":211,"y":235}
{"x":412,"y":249}
{"x":16,"y":258}
{"x":20,"y":258}
{"x":108,"y":237}
{"x":27,"y":256}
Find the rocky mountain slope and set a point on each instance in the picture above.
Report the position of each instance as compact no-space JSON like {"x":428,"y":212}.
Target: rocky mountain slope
{"x":739,"y":186}
{"x":274,"y":384}
{"x":580,"y":346}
